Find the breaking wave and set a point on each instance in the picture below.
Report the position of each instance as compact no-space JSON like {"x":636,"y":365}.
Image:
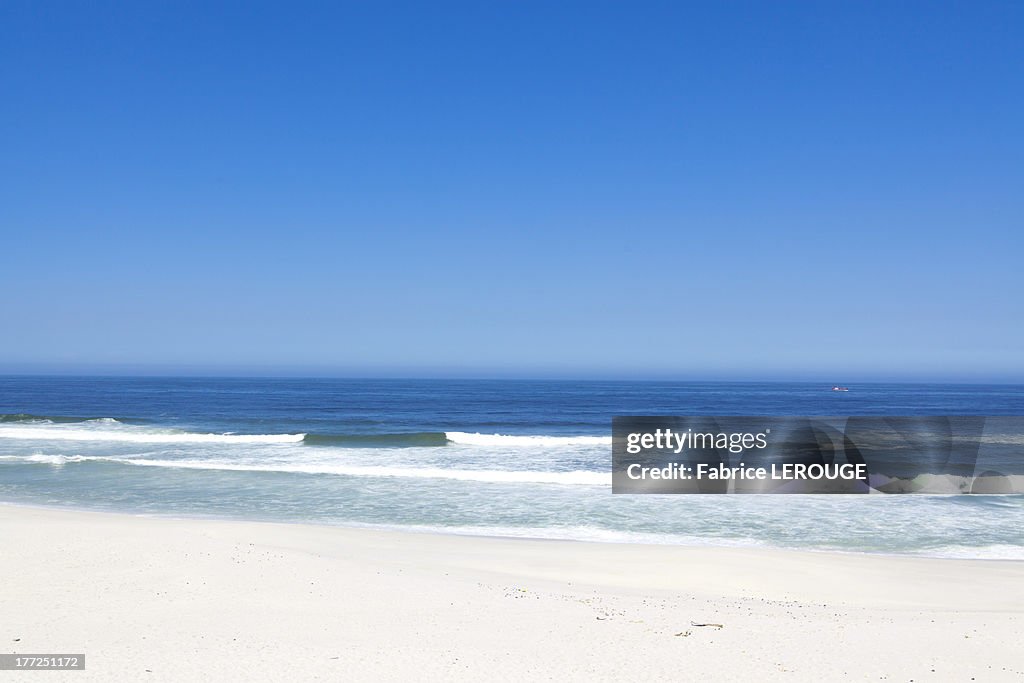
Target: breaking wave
{"x":46,"y":428}
{"x":60,"y":433}
{"x":577,"y":478}
{"x":476,"y":439}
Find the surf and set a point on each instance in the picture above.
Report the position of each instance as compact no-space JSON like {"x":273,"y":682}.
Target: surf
{"x":55,"y":433}
{"x":571,"y":478}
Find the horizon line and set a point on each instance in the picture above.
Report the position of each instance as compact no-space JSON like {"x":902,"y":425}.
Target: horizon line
{"x":502,"y":378}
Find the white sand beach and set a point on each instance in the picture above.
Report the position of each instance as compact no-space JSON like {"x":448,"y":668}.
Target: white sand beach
{"x":153,"y":599}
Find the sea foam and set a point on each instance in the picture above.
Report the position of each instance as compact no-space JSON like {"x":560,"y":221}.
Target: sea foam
{"x":62,"y":433}
{"x":477,"y":439}
{"x":577,"y":477}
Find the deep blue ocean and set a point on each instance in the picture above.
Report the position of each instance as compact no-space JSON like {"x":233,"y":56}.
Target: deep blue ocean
{"x":503,"y":457}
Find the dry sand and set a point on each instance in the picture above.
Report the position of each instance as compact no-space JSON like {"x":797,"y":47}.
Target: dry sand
{"x":150,"y":599}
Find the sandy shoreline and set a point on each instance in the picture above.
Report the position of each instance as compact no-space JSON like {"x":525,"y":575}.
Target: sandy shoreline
{"x":167,"y":599}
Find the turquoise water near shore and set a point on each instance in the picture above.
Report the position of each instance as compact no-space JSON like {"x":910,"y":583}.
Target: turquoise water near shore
{"x":513,"y":458}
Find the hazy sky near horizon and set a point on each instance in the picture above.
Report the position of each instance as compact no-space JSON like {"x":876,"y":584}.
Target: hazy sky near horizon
{"x":732,"y":190}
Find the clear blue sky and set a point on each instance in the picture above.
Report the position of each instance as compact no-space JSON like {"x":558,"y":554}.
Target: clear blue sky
{"x":796,"y":190}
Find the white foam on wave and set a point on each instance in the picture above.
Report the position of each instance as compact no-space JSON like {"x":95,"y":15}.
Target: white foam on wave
{"x":588,"y":534}
{"x":63,"y":433}
{"x":578,"y":477}
{"x":111,"y":430}
{"x":995,"y":551}
{"x":477,"y":439}
{"x":573,"y":478}
{"x":50,"y":459}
